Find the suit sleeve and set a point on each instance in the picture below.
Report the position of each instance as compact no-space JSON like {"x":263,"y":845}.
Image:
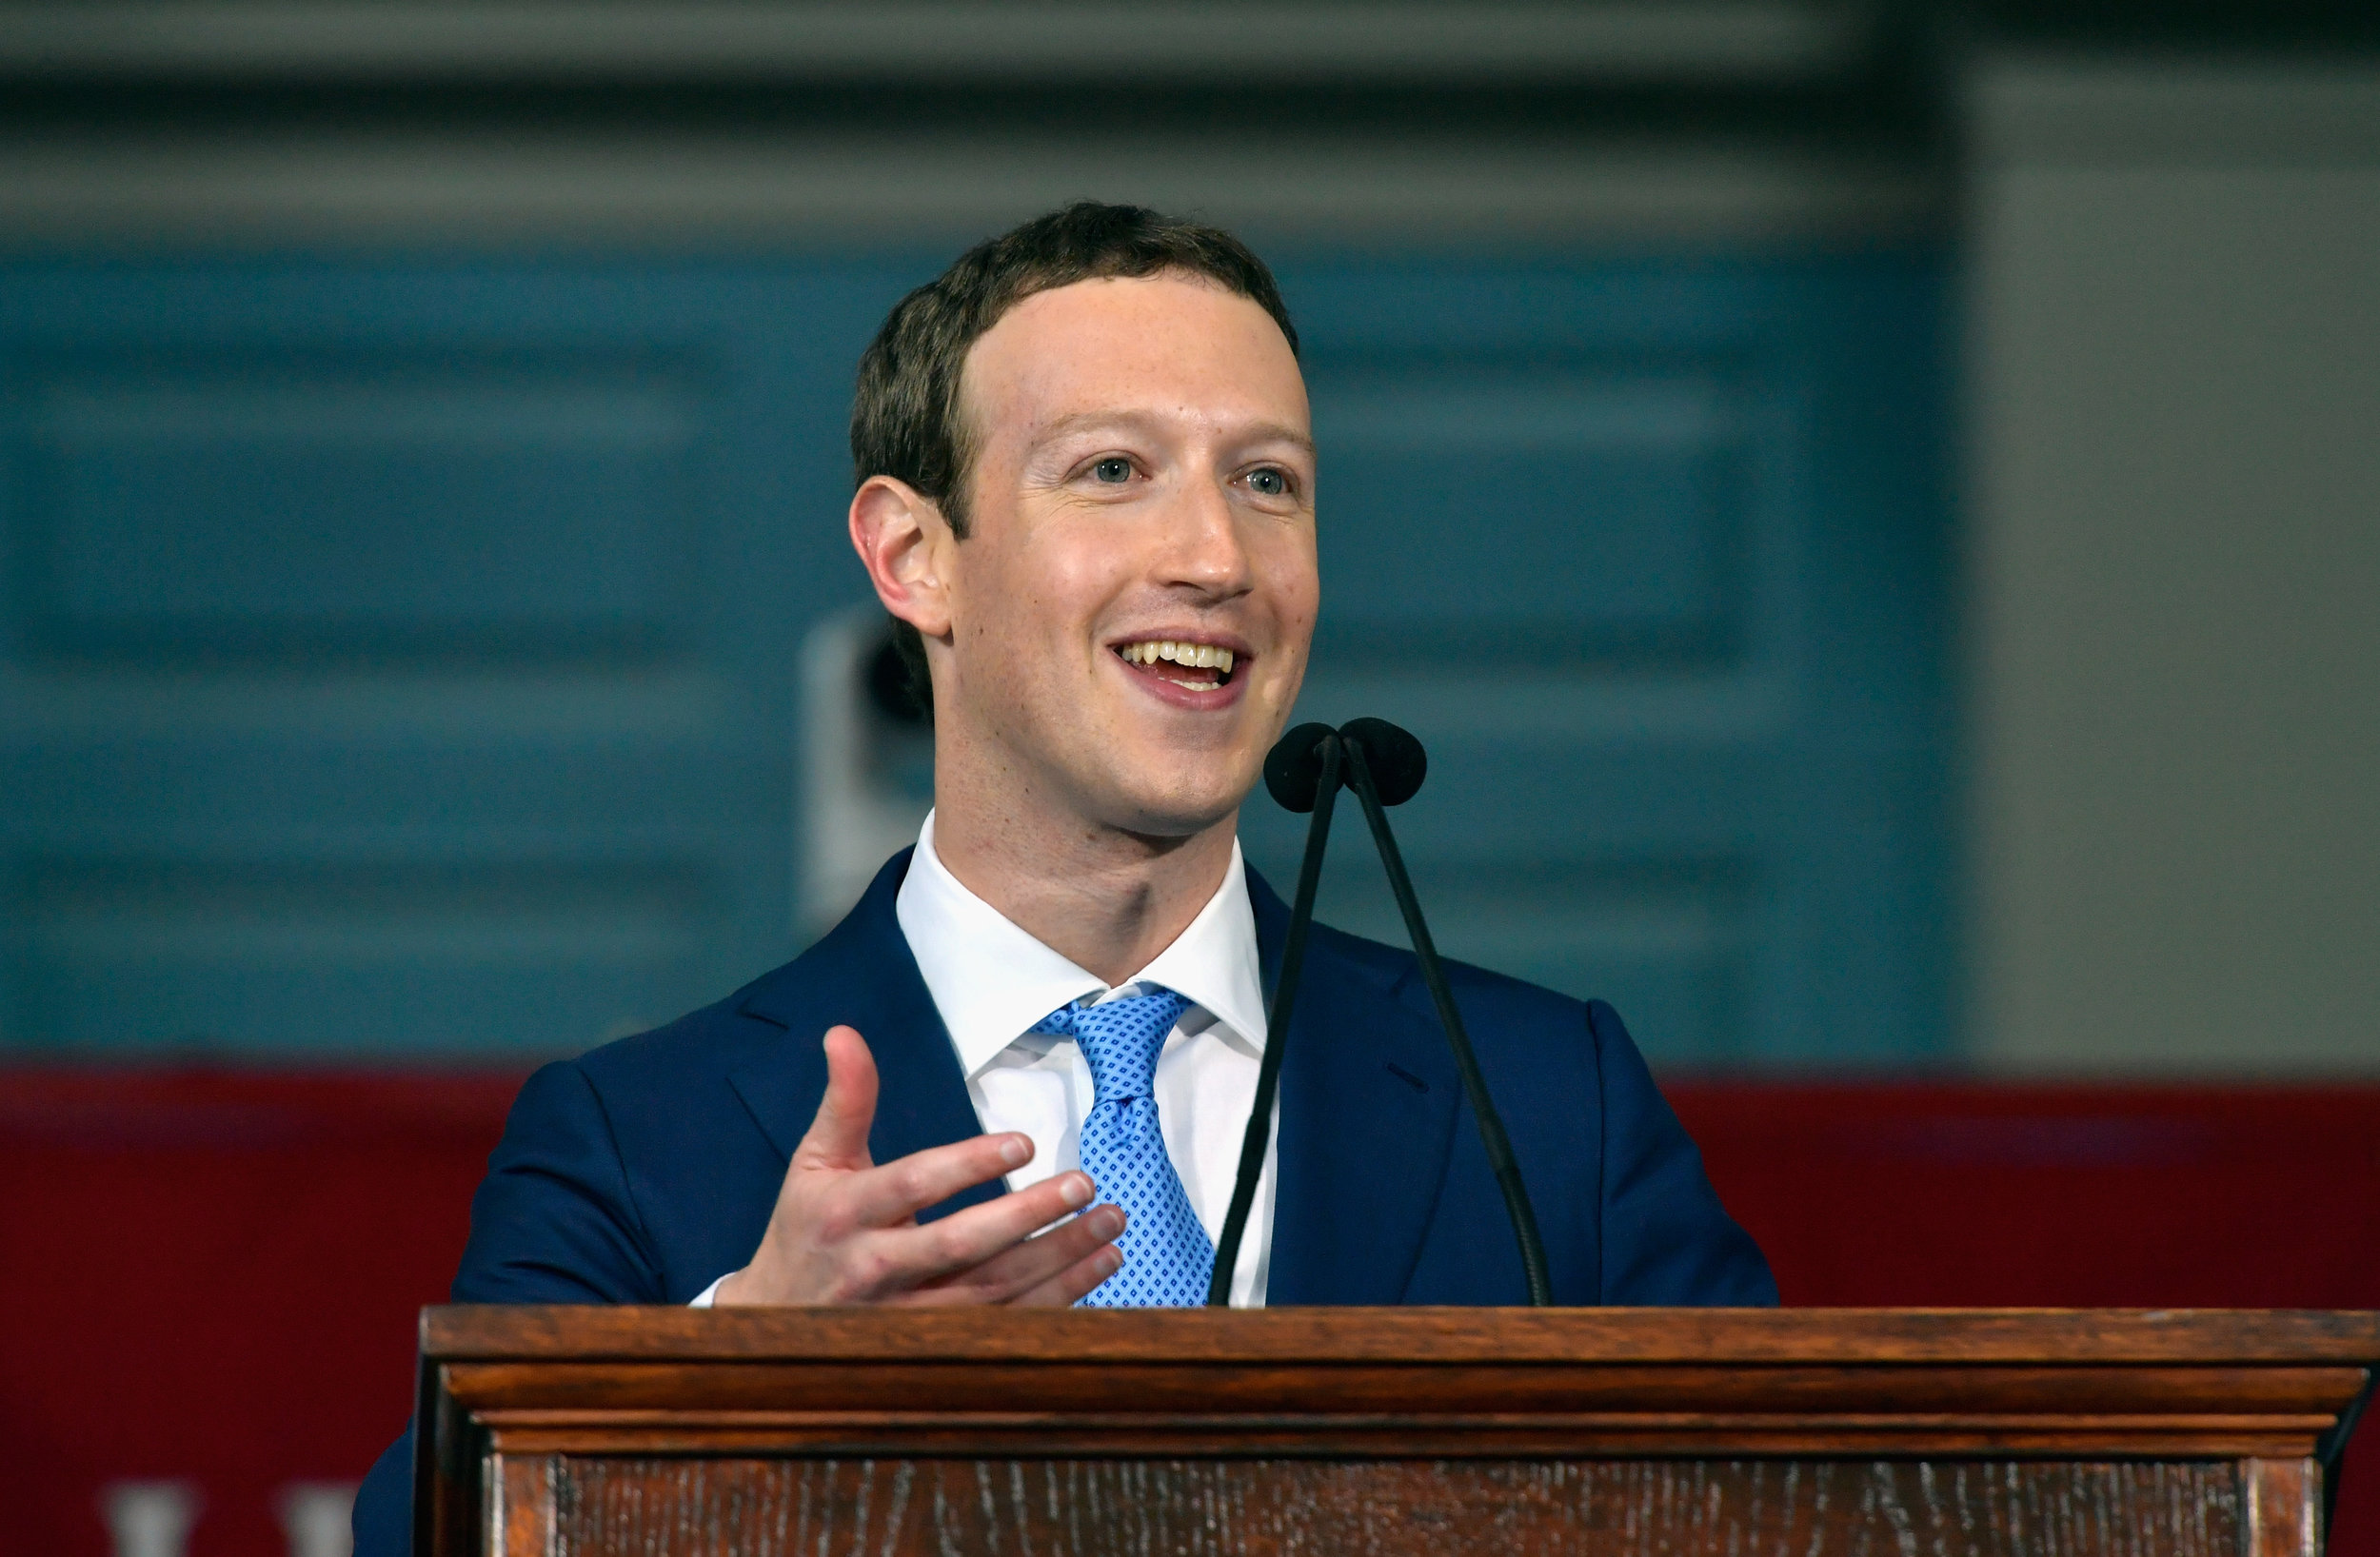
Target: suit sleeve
{"x":1666,"y":1239}
{"x":553,"y":1222}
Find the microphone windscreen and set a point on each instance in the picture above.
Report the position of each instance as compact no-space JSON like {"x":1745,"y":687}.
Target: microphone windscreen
{"x":1397,"y":761}
{"x":1292,"y":769}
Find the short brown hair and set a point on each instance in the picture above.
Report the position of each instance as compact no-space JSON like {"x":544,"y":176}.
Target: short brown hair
{"x":905,"y":419}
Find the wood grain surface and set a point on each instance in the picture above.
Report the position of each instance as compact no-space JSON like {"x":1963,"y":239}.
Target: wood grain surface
{"x":1158,"y":1386}
{"x":1864,"y":1336}
{"x":1101,"y":1508}
{"x":1953,"y":1433}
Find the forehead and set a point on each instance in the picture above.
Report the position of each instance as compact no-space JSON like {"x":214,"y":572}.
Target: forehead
{"x":1171,"y":344}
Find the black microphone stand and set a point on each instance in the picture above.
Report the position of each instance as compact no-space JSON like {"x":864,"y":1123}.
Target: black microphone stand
{"x":1500,"y":1147}
{"x":1292,"y":956}
{"x":1316,"y":754}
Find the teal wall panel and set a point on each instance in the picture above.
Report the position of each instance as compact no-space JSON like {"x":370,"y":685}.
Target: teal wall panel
{"x":1618,"y":496}
{"x":366,"y":506}
{"x":1654,"y":557}
{"x":399,"y":659}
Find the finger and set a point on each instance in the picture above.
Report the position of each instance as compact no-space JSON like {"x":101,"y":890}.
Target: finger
{"x":1024,"y":1266}
{"x":1075,"y":1282}
{"x":898,"y":1190}
{"x":906,"y":1257}
{"x":838,"y":1136}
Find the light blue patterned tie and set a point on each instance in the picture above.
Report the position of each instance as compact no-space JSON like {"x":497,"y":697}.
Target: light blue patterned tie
{"x":1167,"y":1257}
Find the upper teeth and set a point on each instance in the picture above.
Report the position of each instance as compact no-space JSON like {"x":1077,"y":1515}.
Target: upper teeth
{"x":1181,"y":654}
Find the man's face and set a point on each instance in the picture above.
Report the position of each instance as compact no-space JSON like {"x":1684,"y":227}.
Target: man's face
{"x":1132,"y":607}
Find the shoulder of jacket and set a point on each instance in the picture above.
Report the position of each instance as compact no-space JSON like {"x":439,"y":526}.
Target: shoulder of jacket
{"x":1396,"y":966}
{"x":714,"y":1037}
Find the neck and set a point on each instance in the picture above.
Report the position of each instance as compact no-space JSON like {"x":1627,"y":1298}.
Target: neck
{"x":1105,"y":899}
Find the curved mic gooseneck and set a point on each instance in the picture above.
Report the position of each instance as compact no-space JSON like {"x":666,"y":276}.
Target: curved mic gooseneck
{"x":1385,"y":766}
{"x":1303,"y":770}
{"x":1500,"y":1147}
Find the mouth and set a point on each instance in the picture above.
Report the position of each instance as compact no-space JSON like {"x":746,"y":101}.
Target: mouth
{"x":1192,"y":666}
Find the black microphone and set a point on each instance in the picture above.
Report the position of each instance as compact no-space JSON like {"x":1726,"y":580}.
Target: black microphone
{"x":1303,"y":770}
{"x":1385,"y":766}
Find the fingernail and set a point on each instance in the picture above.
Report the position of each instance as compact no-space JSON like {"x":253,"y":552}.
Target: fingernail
{"x":1014,"y":1150}
{"x":1111,"y":1221}
{"x":1077,"y":1189}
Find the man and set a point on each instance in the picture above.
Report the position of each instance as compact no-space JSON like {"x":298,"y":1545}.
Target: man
{"x":1087,"y":496}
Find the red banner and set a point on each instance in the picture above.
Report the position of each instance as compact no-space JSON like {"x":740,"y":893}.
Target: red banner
{"x":210,"y":1278}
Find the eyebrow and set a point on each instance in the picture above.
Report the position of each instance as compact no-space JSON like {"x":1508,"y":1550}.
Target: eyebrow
{"x":1262,"y":431}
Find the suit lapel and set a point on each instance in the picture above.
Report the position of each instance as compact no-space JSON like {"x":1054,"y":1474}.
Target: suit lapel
{"x":1368,"y":1104}
{"x":861,"y":973}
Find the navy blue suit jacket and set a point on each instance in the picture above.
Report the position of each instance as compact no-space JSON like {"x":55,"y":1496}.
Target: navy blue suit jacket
{"x":647,"y":1169}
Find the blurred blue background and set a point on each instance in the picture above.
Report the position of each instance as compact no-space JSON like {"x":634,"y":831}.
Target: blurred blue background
{"x":414,"y":643}
{"x":427,"y":631}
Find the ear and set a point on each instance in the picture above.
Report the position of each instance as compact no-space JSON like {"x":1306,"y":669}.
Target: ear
{"x":904,"y":543}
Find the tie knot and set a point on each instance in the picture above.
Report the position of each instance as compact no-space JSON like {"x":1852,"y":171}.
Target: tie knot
{"x":1119,"y":1039}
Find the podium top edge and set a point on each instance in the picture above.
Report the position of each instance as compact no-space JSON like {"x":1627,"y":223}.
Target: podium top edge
{"x":1421,"y":1337}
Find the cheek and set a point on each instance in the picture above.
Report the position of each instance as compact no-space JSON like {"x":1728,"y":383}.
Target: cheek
{"x":1292,"y":582}
{"x":1018,"y":589}
{"x":1032,"y":627}
{"x":1070,"y":581}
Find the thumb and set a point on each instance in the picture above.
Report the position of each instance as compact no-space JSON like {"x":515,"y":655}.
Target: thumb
{"x":838,"y":1137}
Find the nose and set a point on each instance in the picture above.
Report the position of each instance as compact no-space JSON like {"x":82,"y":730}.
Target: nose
{"x":1207,"y":551}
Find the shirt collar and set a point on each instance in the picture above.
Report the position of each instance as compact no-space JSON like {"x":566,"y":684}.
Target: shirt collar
{"x":992,"y":980}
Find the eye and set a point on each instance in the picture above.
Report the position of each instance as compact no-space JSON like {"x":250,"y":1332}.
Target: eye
{"x":1112,"y":470}
{"x":1268,"y":482}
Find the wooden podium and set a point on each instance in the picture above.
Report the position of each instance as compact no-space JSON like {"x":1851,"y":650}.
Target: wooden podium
{"x":1737,"y":1433}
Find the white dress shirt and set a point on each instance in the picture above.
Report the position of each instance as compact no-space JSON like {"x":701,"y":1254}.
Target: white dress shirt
{"x":992,"y":980}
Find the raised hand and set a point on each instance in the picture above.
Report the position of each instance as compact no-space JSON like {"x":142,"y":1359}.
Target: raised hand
{"x":846,"y":1230}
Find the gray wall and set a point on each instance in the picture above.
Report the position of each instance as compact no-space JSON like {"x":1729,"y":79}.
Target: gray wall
{"x":2174,"y":539}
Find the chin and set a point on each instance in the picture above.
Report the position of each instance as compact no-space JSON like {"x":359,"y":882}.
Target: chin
{"x":1177,"y":812}
{"x":1158,"y":780}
